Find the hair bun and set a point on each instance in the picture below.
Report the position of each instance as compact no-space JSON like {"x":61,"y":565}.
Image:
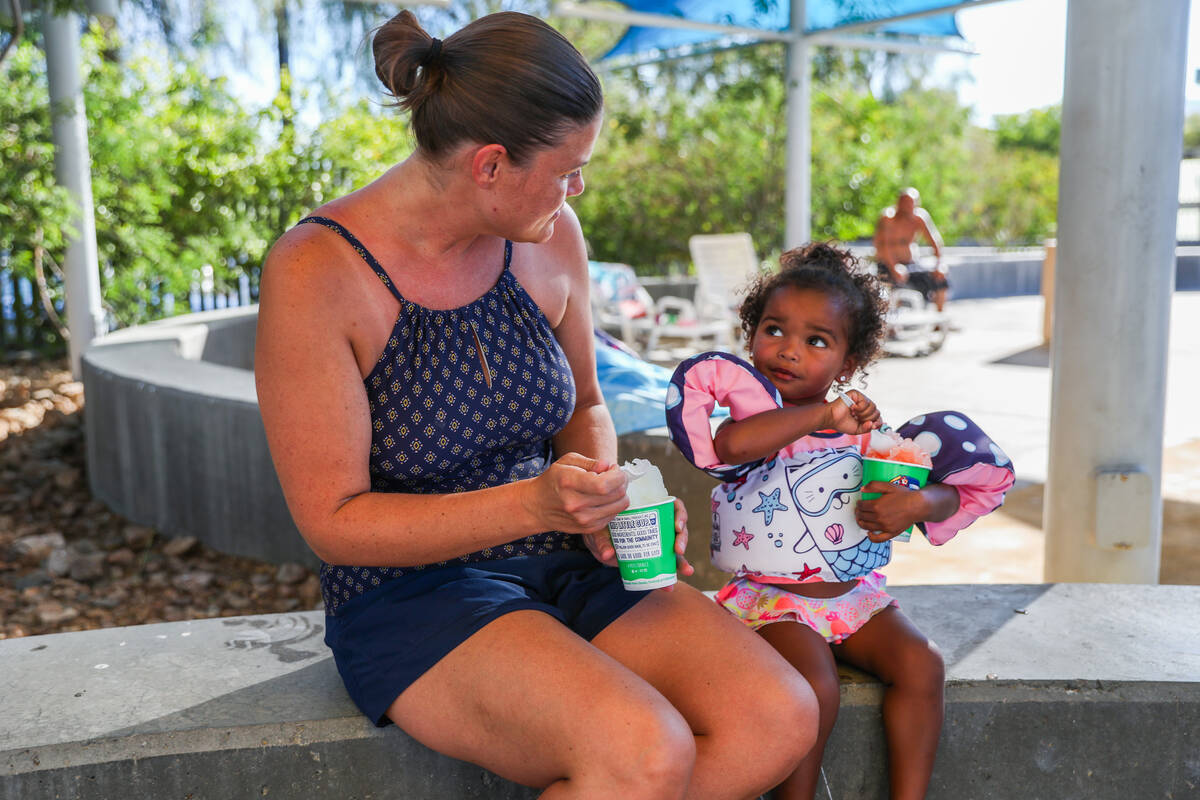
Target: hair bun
{"x":402,"y":49}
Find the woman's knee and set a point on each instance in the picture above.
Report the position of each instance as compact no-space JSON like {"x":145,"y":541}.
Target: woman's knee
{"x":647,"y":752}
{"x":786,"y":713}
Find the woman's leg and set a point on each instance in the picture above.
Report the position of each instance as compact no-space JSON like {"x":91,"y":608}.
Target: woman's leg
{"x":754,"y":717}
{"x":914,"y":676}
{"x":533,"y":702}
{"x":809,"y":653}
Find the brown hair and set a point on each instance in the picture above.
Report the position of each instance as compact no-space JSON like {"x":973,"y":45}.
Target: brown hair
{"x":507,"y":78}
{"x":830,"y":269}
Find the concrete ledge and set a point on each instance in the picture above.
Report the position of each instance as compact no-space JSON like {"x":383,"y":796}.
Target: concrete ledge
{"x":1053,"y":691}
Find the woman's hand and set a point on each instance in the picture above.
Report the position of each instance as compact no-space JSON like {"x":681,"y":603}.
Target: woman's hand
{"x":860,"y":417}
{"x":577,"y":494}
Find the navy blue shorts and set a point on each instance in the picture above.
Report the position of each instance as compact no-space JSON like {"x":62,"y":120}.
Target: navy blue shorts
{"x":385,"y":639}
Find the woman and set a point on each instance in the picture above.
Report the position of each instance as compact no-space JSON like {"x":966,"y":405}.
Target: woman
{"x":427,"y":382}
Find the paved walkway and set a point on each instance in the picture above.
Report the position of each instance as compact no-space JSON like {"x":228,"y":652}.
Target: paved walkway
{"x":996,"y":370}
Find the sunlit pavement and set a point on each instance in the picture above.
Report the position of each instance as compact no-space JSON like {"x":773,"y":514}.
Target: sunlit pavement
{"x":995,"y":370}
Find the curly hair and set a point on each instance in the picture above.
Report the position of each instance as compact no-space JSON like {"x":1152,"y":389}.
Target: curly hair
{"x":826,"y":268}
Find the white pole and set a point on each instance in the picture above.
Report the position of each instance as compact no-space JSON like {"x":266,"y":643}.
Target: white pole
{"x":797,"y":214}
{"x":1122,"y":125}
{"x":72,"y":170}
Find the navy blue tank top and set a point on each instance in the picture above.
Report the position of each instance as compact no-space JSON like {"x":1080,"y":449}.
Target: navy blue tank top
{"x":461,"y":399}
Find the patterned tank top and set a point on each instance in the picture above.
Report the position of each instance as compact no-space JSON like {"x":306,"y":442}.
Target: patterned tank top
{"x":461,"y":399}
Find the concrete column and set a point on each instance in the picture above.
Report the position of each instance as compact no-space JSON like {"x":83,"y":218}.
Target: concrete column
{"x":1118,"y":192}
{"x":798,"y":206}
{"x":72,"y":170}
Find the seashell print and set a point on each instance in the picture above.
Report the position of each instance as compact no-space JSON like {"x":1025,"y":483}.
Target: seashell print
{"x":835,"y":532}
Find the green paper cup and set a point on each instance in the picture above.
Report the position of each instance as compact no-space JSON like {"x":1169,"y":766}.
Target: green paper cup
{"x":898,"y":473}
{"x":644,"y":539}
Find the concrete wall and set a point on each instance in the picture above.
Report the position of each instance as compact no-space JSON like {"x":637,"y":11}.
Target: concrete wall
{"x":175,"y":439}
{"x":1054,"y":692}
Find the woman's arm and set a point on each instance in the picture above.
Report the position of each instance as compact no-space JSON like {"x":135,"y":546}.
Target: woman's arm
{"x":766,"y":433}
{"x":317,"y":420}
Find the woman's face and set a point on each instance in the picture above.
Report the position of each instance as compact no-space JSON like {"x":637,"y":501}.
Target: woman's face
{"x":542,"y":185}
{"x":801,"y":343}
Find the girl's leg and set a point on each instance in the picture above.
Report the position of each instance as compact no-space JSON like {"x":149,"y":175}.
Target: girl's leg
{"x":809,"y":653}
{"x":754,"y":717}
{"x":911,"y":669}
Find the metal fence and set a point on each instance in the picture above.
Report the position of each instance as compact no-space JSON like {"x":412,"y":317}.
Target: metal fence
{"x":25,"y":327}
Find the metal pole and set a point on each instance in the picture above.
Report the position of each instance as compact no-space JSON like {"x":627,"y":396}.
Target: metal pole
{"x":1121,"y":147}
{"x":798,"y":209}
{"x":72,"y":170}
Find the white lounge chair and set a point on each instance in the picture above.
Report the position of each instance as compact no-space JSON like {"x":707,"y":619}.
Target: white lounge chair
{"x":725,"y":263}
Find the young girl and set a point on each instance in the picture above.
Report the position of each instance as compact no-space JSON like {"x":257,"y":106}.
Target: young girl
{"x":802,"y":552}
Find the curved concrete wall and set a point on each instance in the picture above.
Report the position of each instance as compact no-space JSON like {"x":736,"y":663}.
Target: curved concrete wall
{"x":175,"y":439}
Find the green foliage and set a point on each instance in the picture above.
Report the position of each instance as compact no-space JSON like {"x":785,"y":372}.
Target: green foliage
{"x":1191,"y":136}
{"x":702,"y":148}
{"x":32,"y":207}
{"x":1038,"y":130}
{"x":183,"y":177}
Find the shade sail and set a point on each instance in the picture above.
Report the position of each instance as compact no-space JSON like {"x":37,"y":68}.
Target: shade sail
{"x":775,"y":15}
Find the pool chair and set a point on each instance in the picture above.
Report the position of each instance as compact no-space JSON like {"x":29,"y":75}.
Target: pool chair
{"x":622,"y":306}
{"x":725,"y":263}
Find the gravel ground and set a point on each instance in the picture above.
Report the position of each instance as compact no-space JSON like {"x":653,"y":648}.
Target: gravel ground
{"x":68,"y":563}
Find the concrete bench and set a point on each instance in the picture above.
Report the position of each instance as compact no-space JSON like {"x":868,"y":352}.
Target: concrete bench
{"x":1053,"y":691}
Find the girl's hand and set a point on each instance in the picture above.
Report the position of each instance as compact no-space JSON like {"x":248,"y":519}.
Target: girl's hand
{"x":577,"y":494}
{"x":860,"y":417}
{"x":891,"y":513}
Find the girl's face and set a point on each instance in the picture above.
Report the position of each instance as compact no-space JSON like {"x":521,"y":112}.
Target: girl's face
{"x":801,"y":343}
{"x":542,"y":186}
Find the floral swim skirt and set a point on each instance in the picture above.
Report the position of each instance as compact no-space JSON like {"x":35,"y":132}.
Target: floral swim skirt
{"x":835,"y":618}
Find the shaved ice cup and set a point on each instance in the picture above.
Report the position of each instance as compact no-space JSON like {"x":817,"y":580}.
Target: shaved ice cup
{"x":898,"y":473}
{"x":644,"y":539}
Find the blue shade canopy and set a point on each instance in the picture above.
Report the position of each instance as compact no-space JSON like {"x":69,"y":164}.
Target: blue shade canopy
{"x":775,"y":15}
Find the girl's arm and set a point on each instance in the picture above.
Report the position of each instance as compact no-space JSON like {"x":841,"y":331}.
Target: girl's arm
{"x":766,"y":433}
{"x":897,"y":508}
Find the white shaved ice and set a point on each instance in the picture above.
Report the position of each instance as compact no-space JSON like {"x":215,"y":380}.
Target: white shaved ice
{"x":646,"y":487}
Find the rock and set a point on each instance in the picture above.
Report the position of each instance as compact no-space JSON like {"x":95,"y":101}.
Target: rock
{"x":58,"y":563}
{"x":290,"y":573}
{"x":38,"y":577}
{"x":180,"y":546}
{"x":193,"y":581}
{"x":86,"y":567}
{"x":122,"y":556}
{"x":52,"y":612}
{"x":138,"y":537}
{"x":35,"y":547}
{"x":67,"y":478}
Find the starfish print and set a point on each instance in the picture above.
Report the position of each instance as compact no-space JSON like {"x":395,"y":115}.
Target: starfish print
{"x":742,"y":538}
{"x":769,"y":505}
{"x":716,"y":504}
{"x":807,"y":573}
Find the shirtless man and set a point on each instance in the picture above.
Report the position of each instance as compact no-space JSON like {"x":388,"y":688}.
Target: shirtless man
{"x":895,"y":236}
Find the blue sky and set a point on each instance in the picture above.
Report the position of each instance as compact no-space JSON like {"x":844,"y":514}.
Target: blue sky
{"x":1020,"y":61}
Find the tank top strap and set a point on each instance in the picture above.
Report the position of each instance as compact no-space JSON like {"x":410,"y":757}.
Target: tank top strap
{"x":372,"y":262}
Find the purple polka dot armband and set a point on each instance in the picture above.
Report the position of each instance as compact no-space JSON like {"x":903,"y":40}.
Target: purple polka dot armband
{"x":963,"y":457}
